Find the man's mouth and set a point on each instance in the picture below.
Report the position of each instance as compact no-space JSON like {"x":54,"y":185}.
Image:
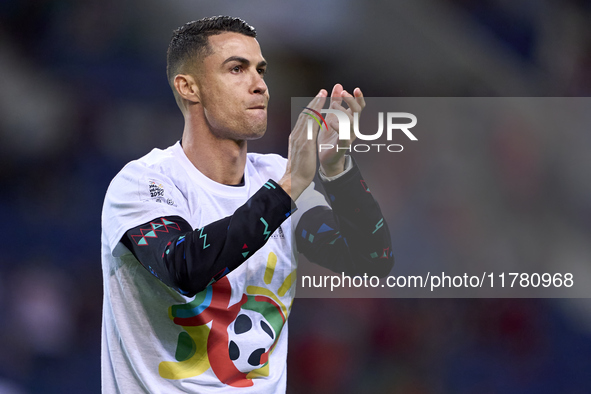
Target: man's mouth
{"x":257,"y":107}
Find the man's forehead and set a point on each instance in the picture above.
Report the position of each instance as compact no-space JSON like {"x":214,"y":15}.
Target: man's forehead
{"x":229,"y":44}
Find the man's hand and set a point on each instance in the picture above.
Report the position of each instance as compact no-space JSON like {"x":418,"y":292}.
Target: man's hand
{"x":332,"y":161}
{"x":301,"y":159}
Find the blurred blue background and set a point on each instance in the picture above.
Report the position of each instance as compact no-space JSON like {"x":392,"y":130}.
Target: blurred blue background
{"x":84,"y":91}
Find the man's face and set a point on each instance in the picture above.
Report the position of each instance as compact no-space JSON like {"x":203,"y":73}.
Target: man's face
{"x":232,"y":91}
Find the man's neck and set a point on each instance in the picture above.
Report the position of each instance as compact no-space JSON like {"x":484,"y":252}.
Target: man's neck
{"x":221,"y":160}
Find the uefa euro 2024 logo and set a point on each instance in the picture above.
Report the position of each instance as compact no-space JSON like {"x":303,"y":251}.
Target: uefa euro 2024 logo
{"x":345,"y":129}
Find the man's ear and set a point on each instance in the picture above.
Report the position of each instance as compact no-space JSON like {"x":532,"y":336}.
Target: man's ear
{"x":187,"y":88}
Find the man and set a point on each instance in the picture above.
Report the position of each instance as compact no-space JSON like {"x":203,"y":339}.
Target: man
{"x":198,"y":263}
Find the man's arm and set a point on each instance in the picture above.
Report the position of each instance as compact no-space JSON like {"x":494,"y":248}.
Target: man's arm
{"x":188,"y":260}
{"x":353,"y":236}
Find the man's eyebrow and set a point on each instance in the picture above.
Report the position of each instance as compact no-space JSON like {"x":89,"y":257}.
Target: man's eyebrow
{"x":244,"y":61}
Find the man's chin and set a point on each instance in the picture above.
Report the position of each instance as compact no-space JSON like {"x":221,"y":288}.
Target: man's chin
{"x":256,"y":133}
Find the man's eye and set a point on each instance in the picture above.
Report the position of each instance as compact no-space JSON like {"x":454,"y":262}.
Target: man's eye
{"x":236,"y":68}
{"x":262,"y":71}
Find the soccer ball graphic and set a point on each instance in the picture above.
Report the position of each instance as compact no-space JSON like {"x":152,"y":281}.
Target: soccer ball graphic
{"x":249,"y":337}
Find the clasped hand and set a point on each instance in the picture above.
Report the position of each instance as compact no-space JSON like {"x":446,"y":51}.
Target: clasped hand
{"x":301,"y":159}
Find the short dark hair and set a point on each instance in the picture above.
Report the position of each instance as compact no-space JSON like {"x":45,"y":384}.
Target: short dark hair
{"x":190,"y":41}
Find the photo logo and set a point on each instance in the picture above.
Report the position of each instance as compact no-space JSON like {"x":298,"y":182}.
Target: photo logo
{"x":345,"y":129}
{"x":316,"y":119}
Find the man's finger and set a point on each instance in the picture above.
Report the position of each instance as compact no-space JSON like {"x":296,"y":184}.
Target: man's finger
{"x":345,"y":111}
{"x":334,"y":123}
{"x":359,"y":97}
{"x":313,"y":106}
{"x":335,"y":96}
{"x":311,"y":112}
{"x":351,"y":101}
{"x":318,"y":102}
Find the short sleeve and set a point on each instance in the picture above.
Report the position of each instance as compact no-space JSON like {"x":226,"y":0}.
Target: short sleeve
{"x":135,"y":196}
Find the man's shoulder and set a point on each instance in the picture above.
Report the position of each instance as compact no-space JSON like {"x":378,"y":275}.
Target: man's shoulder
{"x":158,"y":162}
{"x":155,"y":159}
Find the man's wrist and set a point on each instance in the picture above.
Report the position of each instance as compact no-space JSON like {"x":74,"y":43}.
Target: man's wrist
{"x":333,"y":169}
{"x":332,"y":175}
{"x":285,"y":184}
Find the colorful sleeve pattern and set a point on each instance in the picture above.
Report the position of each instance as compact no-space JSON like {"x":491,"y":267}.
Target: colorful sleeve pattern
{"x":353,"y":236}
{"x":189,"y":260}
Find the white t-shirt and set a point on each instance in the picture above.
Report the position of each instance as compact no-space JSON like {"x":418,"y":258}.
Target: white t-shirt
{"x":156,"y":340}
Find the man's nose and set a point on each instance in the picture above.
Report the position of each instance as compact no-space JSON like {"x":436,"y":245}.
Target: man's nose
{"x":259,"y":86}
